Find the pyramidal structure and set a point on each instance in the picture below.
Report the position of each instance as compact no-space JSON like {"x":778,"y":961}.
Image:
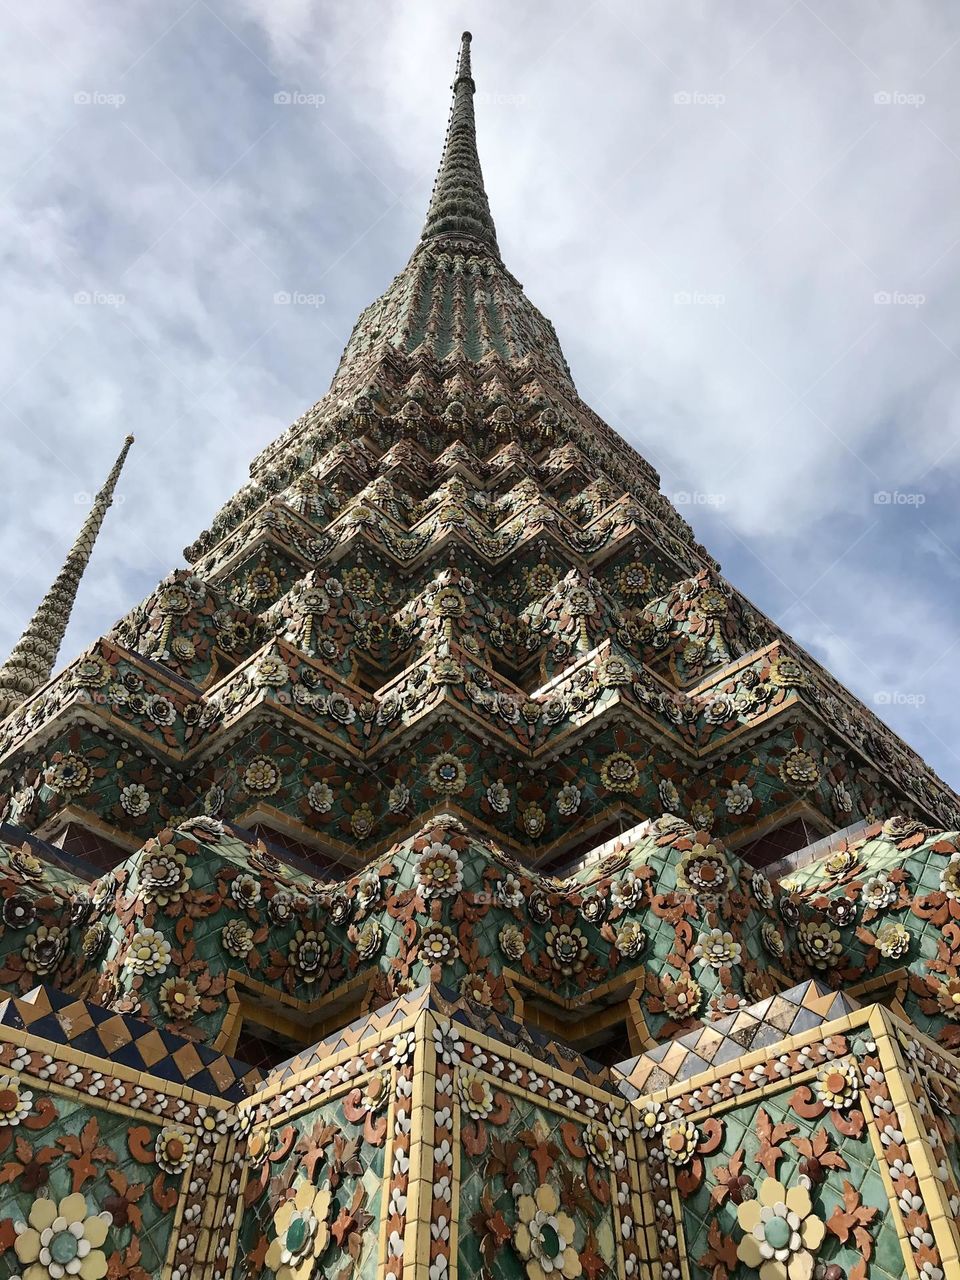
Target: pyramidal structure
{"x":449,"y":873}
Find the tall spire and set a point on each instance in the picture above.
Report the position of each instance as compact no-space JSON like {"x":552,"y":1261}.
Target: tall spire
{"x":31,"y":662}
{"x":458,"y":204}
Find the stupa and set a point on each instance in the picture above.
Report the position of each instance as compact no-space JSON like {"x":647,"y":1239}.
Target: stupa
{"x":450,"y":874}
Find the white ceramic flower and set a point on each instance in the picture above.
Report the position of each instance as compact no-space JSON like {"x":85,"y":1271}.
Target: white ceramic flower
{"x":475,"y":1093}
{"x":718,"y":948}
{"x":134,"y":799}
{"x":15,"y":1101}
{"x":149,"y":953}
{"x":62,"y":1239}
{"x":739,"y":798}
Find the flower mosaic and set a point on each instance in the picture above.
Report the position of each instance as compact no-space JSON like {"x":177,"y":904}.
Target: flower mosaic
{"x":892,"y":940}
{"x":704,"y":870}
{"x":62,"y":1239}
{"x":15,"y":1101}
{"x":781,"y":1232}
{"x":164,"y":874}
{"x":819,"y":943}
{"x":452,"y":743}
{"x":544,"y":1236}
{"x":837,"y":1084}
{"x":149,"y":953}
{"x":440,"y":871}
{"x":679,"y":1139}
{"x":176,"y":1149}
{"x":302,"y":1233}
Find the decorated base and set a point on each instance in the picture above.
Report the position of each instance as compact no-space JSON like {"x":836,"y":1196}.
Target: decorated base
{"x":428,"y":1140}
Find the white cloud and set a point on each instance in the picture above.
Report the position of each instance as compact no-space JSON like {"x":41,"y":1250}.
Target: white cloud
{"x":797,"y":198}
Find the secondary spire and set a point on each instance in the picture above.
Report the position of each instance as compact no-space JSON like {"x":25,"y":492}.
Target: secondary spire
{"x":458,"y":204}
{"x":31,"y":662}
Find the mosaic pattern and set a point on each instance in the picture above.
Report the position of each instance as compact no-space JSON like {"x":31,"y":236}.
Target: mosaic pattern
{"x":102,"y":1168}
{"x":378,"y":898}
{"x":825,"y":1138}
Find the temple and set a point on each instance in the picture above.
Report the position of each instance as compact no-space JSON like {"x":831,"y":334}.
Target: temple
{"x":449,"y":873}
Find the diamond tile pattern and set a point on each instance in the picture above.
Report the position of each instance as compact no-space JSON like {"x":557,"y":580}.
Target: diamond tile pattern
{"x":53,"y":1016}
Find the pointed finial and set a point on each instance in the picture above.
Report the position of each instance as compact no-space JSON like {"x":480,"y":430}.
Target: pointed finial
{"x":458,"y":204}
{"x":463,"y":62}
{"x":31,"y":662}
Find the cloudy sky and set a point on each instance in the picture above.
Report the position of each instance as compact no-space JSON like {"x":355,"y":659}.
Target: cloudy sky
{"x":740,"y":217}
